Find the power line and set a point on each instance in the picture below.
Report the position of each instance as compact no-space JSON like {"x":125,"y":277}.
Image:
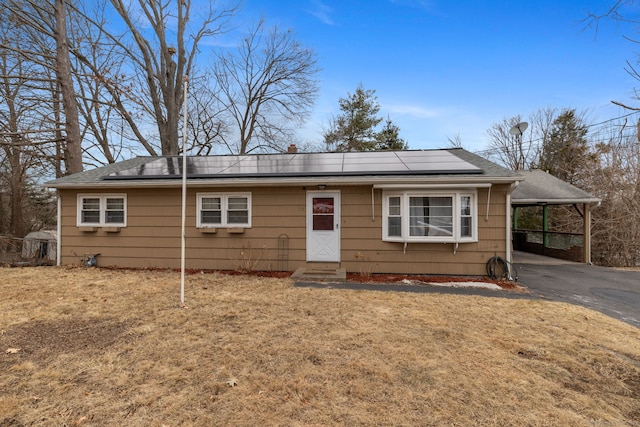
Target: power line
{"x":611,"y":120}
{"x":536,"y":142}
{"x":593,"y":136}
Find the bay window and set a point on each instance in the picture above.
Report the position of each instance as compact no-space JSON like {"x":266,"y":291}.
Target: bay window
{"x":429,"y":216}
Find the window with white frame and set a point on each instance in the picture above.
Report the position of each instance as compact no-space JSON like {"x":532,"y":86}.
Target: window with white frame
{"x":223,"y":210}
{"x":429,"y":216}
{"x":102,"y":210}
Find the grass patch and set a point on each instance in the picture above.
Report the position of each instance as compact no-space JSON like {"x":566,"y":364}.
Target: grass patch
{"x":109,"y":348}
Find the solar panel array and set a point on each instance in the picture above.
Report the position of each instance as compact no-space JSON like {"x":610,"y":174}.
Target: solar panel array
{"x":304,"y":165}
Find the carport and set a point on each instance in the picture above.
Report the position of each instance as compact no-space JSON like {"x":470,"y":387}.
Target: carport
{"x":540,"y":188}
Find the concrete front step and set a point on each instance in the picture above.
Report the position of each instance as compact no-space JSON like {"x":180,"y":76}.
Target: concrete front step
{"x":322,"y":274}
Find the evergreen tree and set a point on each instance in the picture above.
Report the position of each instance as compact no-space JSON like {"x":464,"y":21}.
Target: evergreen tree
{"x":389,"y":138}
{"x":355,"y":128}
{"x":566,"y":153}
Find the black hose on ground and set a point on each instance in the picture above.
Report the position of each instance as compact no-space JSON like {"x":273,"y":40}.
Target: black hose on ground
{"x":499,"y":268}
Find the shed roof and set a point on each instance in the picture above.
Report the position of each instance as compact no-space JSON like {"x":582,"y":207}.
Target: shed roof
{"x":540,"y":187}
{"x":446,"y":165}
{"x":42,"y":235}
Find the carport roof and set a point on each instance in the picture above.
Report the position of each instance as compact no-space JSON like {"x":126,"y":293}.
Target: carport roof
{"x":539,"y":188}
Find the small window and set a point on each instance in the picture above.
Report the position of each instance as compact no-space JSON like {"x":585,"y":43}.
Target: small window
{"x":394,"y":219}
{"x":466,"y":217}
{"x":114,"y":213}
{"x":90,"y":213}
{"x":211,"y":211}
{"x":223,"y":210}
{"x":323,"y":213}
{"x":102,"y":210}
{"x":237,"y":210}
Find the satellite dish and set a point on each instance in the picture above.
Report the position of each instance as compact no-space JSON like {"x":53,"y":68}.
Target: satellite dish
{"x":519,"y":128}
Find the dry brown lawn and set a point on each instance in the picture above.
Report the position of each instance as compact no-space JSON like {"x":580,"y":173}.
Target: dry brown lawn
{"x":96,"y":347}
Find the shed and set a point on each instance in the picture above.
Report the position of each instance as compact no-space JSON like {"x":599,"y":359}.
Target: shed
{"x":540,"y":188}
{"x":40,"y":246}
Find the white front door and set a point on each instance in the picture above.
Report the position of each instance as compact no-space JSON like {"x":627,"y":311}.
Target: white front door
{"x":323,"y":226}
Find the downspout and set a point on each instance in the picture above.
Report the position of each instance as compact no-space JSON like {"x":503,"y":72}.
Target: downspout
{"x":488,"y":203}
{"x":373,"y":206}
{"x":508,"y":221}
{"x":59,"y":230}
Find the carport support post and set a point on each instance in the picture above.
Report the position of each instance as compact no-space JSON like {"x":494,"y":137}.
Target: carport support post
{"x":545,"y":227}
{"x":586,"y":234}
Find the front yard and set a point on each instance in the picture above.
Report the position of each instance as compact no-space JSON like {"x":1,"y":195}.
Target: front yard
{"x":98,"y":347}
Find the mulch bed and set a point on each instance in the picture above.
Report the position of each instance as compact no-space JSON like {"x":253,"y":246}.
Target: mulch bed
{"x":357,"y":277}
{"x":385,"y":278}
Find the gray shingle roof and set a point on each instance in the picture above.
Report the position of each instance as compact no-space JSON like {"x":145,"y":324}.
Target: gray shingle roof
{"x":451,"y":164}
{"x":541,"y":187}
{"x":490,"y":168}
{"x":95,"y":175}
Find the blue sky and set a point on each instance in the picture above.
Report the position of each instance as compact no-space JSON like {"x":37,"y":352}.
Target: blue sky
{"x":442,"y":68}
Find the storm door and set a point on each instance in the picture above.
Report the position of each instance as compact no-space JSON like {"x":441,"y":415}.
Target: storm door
{"x":323,"y":226}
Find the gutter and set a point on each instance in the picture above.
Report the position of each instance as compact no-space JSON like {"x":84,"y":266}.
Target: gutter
{"x":378,"y":181}
{"x":536,"y":202}
{"x":508,"y":224}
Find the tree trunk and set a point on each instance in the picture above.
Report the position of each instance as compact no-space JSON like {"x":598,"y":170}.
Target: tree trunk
{"x":16,"y":221}
{"x":73,"y":150}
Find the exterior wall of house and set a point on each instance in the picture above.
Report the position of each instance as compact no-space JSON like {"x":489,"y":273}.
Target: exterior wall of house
{"x":277,"y":238}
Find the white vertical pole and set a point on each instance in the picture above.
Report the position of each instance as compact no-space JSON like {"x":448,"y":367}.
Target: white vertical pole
{"x":59,"y":231}
{"x":508,"y":229}
{"x":586,"y":234}
{"x":185,"y":80}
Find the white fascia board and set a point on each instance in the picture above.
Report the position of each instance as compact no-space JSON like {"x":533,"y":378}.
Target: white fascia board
{"x":553,"y":201}
{"x":377,"y":181}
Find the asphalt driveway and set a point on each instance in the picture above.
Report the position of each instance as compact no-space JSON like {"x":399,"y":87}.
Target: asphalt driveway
{"x":613,"y":292}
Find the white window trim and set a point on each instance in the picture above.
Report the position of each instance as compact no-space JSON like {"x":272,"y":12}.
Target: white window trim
{"x":456,"y":196}
{"x":103,"y":209}
{"x":224,"y":199}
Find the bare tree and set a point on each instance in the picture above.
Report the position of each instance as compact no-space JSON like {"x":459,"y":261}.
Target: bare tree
{"x":73,"y":147}
{"x":11,"y":144}
{"x":513,"y":151}
{"x":455,"y":141}
{"x":520,"y":151}
{"x":207,"y":123}
{"x":539,"y":132}
{"x":38,"y":36}
{"x":616,"y":180}
{"x":622,"y":12}
{"x":23,"y":123}
{"x":267,"y":87}
{"x":164,"y":62}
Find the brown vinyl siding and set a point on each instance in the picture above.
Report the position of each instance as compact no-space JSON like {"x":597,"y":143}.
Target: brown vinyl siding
{"x":152,"y":236}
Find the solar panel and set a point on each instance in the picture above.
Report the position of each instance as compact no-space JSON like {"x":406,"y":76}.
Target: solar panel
{"x":304,"y":165}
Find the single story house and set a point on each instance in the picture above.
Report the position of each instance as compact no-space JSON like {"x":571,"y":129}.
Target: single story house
{"x":442,"y":212}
